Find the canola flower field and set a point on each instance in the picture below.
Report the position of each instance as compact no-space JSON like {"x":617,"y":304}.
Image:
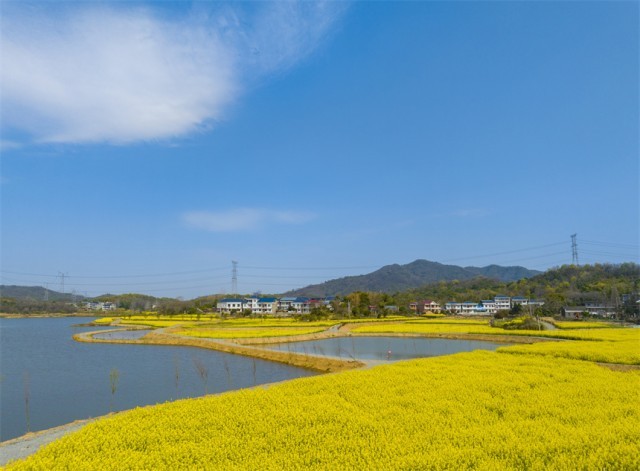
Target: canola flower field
{"x":541,"y":406}
{"x":480,"y":327}
{"x":605,"y":344}
{"x":478,"y":410}
{"x":620,"y":352}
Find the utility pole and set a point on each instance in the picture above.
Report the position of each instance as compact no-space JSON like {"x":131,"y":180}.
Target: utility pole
{"x":574,"y":250}
{"x":234,"y":277}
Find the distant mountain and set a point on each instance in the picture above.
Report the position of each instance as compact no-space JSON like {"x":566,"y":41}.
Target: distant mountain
{"x":506,"y":274}
{"x":395,"y":278}
{"x":36,"y":293}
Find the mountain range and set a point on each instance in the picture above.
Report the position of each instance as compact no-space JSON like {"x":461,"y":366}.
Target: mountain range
{"x":36,"y":293}
{"x":395,"y":278}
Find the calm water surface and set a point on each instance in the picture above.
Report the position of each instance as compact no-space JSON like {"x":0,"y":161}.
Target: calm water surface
{"x":385,"y":348}
{"x":123,"y":335}
{"x":65,"y":380}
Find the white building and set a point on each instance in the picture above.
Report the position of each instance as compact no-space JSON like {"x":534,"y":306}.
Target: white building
{"x":503,"y":303}
{"x":490,"y":306}
{"x":100,"y":306}
{"x":229,"y":305}
{"x":299,"y":305}
{"x":453,"y":307}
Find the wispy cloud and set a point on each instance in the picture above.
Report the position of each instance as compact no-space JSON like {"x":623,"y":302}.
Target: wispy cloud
{"x":121,"y":74}
{"x":470,"y":213}
{"x":6,"y":145}
{"x":243,"y":219}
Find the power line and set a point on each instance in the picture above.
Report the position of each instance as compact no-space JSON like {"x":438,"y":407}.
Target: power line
{"x":190,"y":272}
{"x":314,"y":268}
{"x":553,"y":254}
{"x":597,"y":252}
{"x":611,"y":244}
{"x":315,"y":273}
{"x":504,"y":253}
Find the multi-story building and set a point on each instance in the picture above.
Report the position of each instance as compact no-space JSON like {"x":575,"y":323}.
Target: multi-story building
{"x":519,"y":300}
{"x":299,"y":305}
{"x":229,"y":305}
{"x":503,"y":303}
{"x":420,"y":307}
{"x":489,"y":305}
{"x":100,"y":306}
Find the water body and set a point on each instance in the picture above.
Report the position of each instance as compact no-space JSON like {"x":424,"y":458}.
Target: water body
{"x":122,"y":335}
{"x":65,"y":380}
{"x":384,"y":349}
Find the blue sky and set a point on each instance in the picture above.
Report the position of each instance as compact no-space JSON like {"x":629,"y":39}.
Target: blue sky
{"x":147,"y":145}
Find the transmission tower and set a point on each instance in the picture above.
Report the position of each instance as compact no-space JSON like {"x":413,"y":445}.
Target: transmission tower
{"x":234,"y":277}
{"x":62,"y":275}
{"x":574,"y":250}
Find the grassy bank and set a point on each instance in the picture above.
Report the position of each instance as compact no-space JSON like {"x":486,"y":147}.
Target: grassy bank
{"x":322,"y":364}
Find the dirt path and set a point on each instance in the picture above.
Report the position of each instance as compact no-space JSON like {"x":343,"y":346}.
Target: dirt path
{"x":21,"y":447}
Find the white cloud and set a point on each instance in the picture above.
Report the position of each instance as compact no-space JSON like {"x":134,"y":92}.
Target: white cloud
{"x":121,"y":74}
{"x":243,"y":219}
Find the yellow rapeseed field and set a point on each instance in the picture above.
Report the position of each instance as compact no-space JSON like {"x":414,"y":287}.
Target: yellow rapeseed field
{"x":479,"y":410}
{"x":483,"y":328}
{"x":623,"y":352}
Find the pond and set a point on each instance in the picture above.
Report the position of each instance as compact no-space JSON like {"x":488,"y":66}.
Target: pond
{"x":123,"y":335}
{"x":48,"y":379}
{"x":384,"y":348}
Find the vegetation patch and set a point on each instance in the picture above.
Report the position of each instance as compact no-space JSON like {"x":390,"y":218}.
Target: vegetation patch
{"x":521,"y":323}
{"x":104,"y":321}
{"x":242,"y":333}
{"x":584,"y":325}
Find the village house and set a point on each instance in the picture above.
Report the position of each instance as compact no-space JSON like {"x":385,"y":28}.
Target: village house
{"x":100,"y":306}
{"x":420,"y":307}
{"x":490,"y":306}
{"x":590,"y":309}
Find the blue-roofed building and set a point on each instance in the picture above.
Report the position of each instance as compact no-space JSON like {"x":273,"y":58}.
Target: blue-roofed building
{"x":229,"y":305}
{"x":299,"y":304}
{"x":266,"y":306}
{"x":489,"y":305}
{"x":503,"y":303}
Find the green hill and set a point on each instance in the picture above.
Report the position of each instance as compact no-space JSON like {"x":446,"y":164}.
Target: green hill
{"x":36,"y":293}
{"x":395,"y":278}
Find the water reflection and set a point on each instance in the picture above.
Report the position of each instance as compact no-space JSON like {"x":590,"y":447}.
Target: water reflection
{"x":122,"y":335}
{"x":384,"y":348}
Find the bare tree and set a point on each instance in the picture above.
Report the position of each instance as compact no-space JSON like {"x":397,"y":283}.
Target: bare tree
{"x":114,"y":376}
{"x":203,"y":371}
{"x":227,"y":370}
{"x":27,"y":395}
{"x":176,"y":373}
{"x":254,"y":371}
